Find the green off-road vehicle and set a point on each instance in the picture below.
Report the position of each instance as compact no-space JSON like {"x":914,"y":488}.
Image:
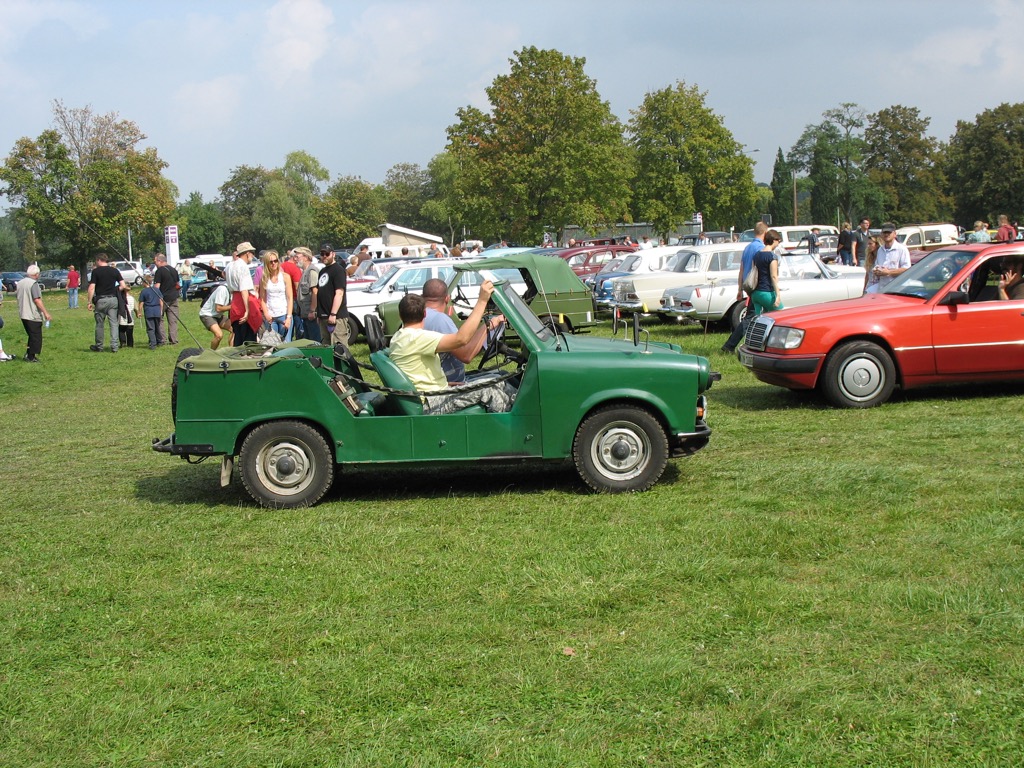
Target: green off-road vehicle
{"x":294,"y":415}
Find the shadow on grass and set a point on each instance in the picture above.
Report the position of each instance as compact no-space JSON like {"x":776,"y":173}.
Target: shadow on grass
{"x":200,"y":484}
{"x":758,"y":396}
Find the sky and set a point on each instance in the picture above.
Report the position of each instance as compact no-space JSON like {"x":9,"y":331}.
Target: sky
{"x":363,"y":86}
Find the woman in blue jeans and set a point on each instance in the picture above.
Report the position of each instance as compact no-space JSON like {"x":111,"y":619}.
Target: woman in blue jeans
{"x":766,"y":297}
{"x":276,"y":296}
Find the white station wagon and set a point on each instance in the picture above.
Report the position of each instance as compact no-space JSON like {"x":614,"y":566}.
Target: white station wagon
{"x":692,"y":265}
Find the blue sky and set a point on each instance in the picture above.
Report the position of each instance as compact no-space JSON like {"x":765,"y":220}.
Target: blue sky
{"x":365,"y":85}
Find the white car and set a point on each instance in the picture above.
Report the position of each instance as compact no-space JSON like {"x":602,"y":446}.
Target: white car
{"x":131,"y":271}
{"x":802,"y":280}
{"x":408,"y":277}
{"x":692,"y":265}
{"x":638,"y":262}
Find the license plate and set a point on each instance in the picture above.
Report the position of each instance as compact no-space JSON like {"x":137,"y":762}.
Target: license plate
{"x":746,"y":359}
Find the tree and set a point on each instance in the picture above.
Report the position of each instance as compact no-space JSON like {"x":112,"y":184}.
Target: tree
{"x":239,"y":196}
{"x":349,"y":211}
{"x":405,"y":194}
{"x":273,"y":209}
{"x":781,"y":207}
{"x":687,"y":161}
{"x":902,"y":162}
{"x":200,"y":226}
{"x":985,"y":165}
{"x":83,"y":185}
{"x":548,"y":154}
{"x":831,"y":153}
{"x":10,"y":247}
{"x":445,"y":206}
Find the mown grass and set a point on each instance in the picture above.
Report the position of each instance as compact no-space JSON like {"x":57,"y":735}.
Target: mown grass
{"x":817,"y":587}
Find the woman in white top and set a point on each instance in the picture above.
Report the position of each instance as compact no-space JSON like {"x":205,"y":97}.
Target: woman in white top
{"x":276,"y":296}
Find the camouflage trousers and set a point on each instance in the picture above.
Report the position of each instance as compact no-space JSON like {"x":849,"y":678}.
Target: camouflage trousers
{"x":496,"y":399}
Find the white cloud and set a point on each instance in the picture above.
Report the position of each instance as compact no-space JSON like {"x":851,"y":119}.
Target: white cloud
{"x":209,"y":106}
{"x":297,"y":35}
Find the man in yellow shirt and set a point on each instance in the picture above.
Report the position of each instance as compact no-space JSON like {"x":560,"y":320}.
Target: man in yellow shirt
{"x":415,"y":351}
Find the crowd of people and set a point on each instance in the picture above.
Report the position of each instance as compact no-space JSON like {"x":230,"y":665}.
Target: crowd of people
{"x":298,"y":296}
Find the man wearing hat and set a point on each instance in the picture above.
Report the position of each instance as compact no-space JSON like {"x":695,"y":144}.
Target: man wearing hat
{"x":892,"y":259}
{"x":331,"y":306}
{"x":243,"y":294}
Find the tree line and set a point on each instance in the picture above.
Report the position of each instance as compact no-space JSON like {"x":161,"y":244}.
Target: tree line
{"x":546,"y":154}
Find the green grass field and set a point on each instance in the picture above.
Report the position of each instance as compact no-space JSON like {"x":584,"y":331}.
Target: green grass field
{"x":817,"y":587}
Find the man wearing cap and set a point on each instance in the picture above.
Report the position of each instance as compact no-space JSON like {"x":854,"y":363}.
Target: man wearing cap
{"x":331,"y":306}
{"x":306,"y":295}
{"x":104,"y":284}
{"x":892,"y":259}
{"x":243,"y":292}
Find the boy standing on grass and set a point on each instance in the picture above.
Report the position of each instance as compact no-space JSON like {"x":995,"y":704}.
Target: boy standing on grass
{"x":153,"y":309}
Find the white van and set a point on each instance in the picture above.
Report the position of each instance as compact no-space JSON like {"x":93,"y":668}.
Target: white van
{"x":218,"y":260}
{"x":794,"y":238}
{"x":377,"y":249}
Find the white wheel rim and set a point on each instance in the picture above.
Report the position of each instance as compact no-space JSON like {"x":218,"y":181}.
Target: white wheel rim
{"x":861,"y":378}
{"x":621,"y":451}
{"x":285,"y":466}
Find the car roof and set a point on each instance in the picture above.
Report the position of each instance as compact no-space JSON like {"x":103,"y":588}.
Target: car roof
{"x":553,"y":274}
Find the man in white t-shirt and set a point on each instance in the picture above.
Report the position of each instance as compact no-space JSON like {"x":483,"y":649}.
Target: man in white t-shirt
{"x":214,"y":313}
{"x":892,"y":259}
{"x":239,"y":282}
{"x":415,"y":351}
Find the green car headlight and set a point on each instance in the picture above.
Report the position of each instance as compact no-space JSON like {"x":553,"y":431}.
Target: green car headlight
{"x":782,"y":337}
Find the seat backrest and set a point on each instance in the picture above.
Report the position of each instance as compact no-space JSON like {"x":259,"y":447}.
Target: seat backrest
{"x":392,"y":376}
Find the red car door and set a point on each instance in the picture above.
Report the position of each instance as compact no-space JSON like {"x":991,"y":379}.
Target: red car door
{"x":984,"y":336}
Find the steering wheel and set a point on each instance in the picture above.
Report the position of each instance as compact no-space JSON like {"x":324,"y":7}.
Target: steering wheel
{"x":493,"y":345}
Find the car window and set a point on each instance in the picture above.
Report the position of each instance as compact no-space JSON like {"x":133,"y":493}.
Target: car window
{"x":412,"y":278}
{"x":913,"y":240}
{"x":933,"y":236}
{"x":684,"y":261}
{"x":929,"y":275}
{"x":378,"y":284}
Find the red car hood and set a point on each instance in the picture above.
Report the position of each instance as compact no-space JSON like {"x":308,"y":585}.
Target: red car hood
{"x":872,"y":306}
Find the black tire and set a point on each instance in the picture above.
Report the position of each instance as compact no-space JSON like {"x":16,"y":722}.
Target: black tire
{"x":620,"y":448}
{"x":354,"y":329}
{"x":735,"y":314}
{"x":190,"y":352}
{"x":286,"y":464}
{"x":374,"y":333}
{"x":858,"y":374}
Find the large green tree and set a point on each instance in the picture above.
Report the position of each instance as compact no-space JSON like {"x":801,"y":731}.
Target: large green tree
{"x":688,"y":161}
{"x":445,"y":205}
{"x":902,"y":161}
{"x":985,"y":165}
{"x":80,"y":187}
{"x":831,"y":153}
{"x":200,"y":227}
{"x":273,"y":208}
{"x":239,"y":196}
{"x":547,"y":154}
{"x":349,"y":211}
{"x":405,"y":193}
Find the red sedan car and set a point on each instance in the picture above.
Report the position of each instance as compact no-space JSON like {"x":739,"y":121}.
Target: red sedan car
{"x":941,"y":321}
{"x":588,"y":259}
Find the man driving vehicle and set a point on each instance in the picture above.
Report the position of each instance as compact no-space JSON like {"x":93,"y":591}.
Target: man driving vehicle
{"x":415,"y":350}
